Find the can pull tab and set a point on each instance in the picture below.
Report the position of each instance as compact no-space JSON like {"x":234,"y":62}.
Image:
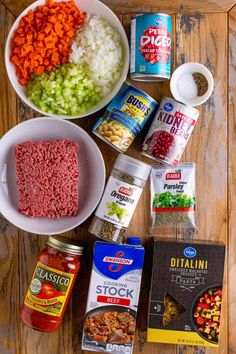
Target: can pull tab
{"x":133,"y":241}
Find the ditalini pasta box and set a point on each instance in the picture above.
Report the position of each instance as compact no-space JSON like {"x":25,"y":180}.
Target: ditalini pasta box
{"x":113,"y":296}
{"x":186,"y":293}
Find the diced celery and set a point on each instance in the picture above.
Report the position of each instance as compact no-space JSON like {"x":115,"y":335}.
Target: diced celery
{"x":67,"y":90}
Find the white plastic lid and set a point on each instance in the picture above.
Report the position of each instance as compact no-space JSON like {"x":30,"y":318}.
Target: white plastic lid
{"x":132,"y":166}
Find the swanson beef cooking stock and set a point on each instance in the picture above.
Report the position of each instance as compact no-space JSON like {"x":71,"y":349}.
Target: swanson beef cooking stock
{"x":121,"y":196}
{"x":113,"y":296}
{"x":170,"y":131}
{"x":173,"y":199}
{"x":150,"y":57}
{"x":125,"y":116}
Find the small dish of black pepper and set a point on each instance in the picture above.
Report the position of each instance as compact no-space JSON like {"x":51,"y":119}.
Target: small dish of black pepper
{"x":192,"y":84}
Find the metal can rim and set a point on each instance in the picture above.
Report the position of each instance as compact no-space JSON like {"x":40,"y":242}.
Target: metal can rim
{"x":136,"y":77}
{"x":157,"y":159}
{"x":151,"y":13}
{"x":183,"y":104}
{"x":107,"y":141}
{"x":63,"y":245}
{"x":138,"y":89}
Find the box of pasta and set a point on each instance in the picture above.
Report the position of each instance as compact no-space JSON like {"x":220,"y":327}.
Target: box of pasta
{"x":186,"y":292}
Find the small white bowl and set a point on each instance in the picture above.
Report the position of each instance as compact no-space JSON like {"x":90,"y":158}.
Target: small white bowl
{"x":190,"y":68}
{"x":91,"y":167}
{"x":93,"y":7}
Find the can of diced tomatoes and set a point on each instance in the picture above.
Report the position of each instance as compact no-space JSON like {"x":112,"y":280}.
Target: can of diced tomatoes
{"x":125,"y":117}
{"x":151,"y":37}
{"x":170,"y":131}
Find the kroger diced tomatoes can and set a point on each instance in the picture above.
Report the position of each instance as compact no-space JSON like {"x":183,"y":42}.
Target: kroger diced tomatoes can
{"x":170,"y":131}
{"x":151,"y":37}
{"x":125,"y":116}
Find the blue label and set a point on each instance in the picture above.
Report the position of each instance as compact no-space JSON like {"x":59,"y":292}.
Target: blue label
{"x":126,"y":121}
{"x":113,"y":261}
{"x":168,"y":106}
{"x":131,"y":108}
{"x":190,"y":252}
{"x":151,"y":37}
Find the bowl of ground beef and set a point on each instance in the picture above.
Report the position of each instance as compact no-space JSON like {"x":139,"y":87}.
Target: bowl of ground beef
{"x":52,"y":175}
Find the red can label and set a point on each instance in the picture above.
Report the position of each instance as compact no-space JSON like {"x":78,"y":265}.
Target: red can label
{"x":170,"y":131}
{"x":155,"y":44}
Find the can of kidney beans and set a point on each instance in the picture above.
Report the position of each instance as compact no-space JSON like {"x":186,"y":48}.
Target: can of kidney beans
{"x":170,"y":131}
{"x":150,"y":57}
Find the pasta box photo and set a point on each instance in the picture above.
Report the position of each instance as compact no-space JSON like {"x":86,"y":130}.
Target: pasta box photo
{"x":186,"y":292}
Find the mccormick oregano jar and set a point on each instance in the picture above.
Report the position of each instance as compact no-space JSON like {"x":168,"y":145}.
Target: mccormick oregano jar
{"x":121,"y":196}
{"x":51,"y":285}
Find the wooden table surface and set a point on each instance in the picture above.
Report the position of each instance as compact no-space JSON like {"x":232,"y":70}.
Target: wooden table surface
{"x":204,"y":31}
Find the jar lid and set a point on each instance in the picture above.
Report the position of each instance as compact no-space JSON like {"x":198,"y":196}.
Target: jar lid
{"x":132,"y":166}
{"x":65,"y":245}
{"x":135,"y":241}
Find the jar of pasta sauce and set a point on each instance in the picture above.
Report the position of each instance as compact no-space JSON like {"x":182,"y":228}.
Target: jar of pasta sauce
{"x":51,"y":285}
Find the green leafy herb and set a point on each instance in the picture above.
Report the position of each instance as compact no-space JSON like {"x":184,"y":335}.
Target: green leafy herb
{"x":115,"y":209}
{"x":169,"y":200}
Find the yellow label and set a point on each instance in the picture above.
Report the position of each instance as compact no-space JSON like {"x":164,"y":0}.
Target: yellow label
{"x":137,"y":107}
{"x":48,"y":290}
{"x":177,"y":337}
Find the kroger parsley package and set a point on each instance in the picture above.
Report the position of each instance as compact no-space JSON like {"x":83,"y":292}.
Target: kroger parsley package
{"x":173,"y":197}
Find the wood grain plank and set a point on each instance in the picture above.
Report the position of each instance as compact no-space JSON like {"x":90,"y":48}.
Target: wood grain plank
{"x":9,"y":279}
{"x":232,"y":180}
{"x":203,"y":38}
{"x":125,"y":6}
{"x":176,"y":6}
{"x":142,"y":212}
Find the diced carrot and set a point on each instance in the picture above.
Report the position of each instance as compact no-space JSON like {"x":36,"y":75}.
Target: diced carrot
{"x":29,"y":38}
{"x":15,"y":60}
{"x":34,"y":63}
{"x":55,"y":56}
{"x":58,"y":29}
{"x":49,"y":67}
{"x":64,"y":60}
{"x":38,"y":15}
{"x":43,"y":38}
{"x":23,"y":81}
{"x":39,"y":70}
{"x":19,"y":40}
{"x":45,"y":10}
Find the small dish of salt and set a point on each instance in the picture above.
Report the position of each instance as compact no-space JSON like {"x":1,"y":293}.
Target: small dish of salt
{"x":192,"y":84}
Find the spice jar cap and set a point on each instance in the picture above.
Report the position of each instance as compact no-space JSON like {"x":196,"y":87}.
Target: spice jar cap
{"x":132,"y":166}
{"x":65,"y":245}
{"x":131,"y":240}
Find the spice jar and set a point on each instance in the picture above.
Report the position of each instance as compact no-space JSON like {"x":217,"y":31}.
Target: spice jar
{"x":121,"y":196}
{"x":51,"y":285}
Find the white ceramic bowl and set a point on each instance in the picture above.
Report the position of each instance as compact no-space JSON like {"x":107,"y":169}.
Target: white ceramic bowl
{"x":94,"y":7}
{"x":191,"y":67}
{"x":91,"y":167}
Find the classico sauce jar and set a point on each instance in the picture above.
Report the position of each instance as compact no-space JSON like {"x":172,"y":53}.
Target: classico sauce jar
{"x":51,"y":285}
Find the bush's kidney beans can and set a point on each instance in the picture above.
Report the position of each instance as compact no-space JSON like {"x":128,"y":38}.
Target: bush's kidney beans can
{"x":170,"y":131}
{"x":151,"y":36}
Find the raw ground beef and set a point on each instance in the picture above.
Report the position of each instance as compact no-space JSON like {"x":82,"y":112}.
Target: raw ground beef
{"x":47,"y":178}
